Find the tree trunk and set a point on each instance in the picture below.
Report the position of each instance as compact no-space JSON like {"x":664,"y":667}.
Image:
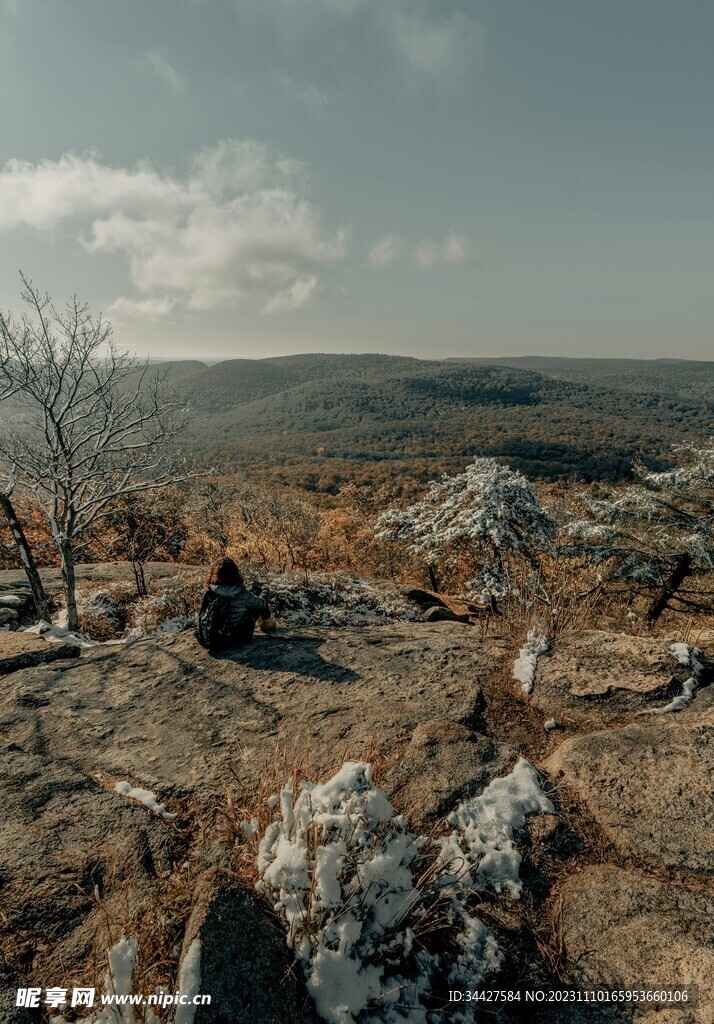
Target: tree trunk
{"x":42,"y":606}
{"x":68,"y":580}
{"x":682,"y":569}
{"x":432,"y":577}
{"x":139,"y":577}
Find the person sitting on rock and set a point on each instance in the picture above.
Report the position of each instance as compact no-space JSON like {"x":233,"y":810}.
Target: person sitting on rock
{"x":229,"y":610}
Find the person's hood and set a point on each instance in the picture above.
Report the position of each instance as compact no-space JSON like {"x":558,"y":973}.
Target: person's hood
{"x":230,"y":590}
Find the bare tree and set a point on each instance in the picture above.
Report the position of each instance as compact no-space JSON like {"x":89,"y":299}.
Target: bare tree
{"x":42,"y":605}
{"x":94,"y":423}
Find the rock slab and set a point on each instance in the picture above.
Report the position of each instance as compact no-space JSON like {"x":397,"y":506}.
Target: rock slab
{"x":625,"y":931}
{"x":168,"y":715}
{"x":245,"y":964}
{"x":24,"y":650}
{"x":649,"y":786}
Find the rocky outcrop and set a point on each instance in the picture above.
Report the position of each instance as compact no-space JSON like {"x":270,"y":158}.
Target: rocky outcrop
{"x":75,"y":861}
{"x":171,"y":717}
{"x":434,"y":707}
{"x":624,"y":931}
{"x":242,"y":958}
{"x":443,"y":764}
{"x":649,"y":787}
{"x":593,"y":676}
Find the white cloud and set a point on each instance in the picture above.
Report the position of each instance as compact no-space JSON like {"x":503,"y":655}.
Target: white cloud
{"x":384,"y":251}
{"x":234,"y":230}
{"x":438,"y":46}
{"x":164,"y":71}
{"x":423,"y":38}
{"x":143,"y":309}
{"x":452,"y":250}
{"x":300,"y":293}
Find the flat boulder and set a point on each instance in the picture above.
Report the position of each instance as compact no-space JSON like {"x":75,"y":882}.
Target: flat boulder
{"x":172,"y":717}
{"x":239,"y":950}
{"x":24,"y":650}
{"x":444,"y":764}
{"x":621,"y":930}
{"x":593,"y":676}
{"x":649,"y":787}
{"x":73,"y":857}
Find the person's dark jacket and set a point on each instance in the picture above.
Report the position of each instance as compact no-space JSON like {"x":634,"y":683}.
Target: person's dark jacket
{"x":243,"y":609}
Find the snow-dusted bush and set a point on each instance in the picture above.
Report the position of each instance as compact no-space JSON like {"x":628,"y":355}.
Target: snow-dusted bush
{"x":657,"y":532}
{"x":336,"y":599}
{"x":174,"y":608}
{"x":103,"y":613}
{"x":489,"y":513}
{"x":377,"y":915}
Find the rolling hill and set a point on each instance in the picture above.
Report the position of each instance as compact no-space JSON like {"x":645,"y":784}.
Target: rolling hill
{"x":318,"y":421}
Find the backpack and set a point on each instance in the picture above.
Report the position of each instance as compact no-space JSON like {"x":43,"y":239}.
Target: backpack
{"x":213,"y":631}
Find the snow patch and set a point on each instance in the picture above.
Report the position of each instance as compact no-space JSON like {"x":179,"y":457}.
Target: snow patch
{"x":524,"y":667}
{"x":689,"y":657}
{"x":550,"y":724}
{"x":121,"y":957}
{"x":57,"y":633}
{"x":485,"y":826}
{"x":189,"y":983}
{"x":357,"y":890}
{"x":145,"y":797}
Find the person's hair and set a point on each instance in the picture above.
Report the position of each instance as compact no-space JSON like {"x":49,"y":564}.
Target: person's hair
{"x":224,"y":572}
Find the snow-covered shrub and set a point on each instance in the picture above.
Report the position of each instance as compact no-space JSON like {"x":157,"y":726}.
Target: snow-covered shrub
{"x":174,"y":608}
{"x":489,"y":513}
{"x":335,"y":599}
{"x":377,"y":915}
{"x":655,"y":533}
{"x":103,"y":613}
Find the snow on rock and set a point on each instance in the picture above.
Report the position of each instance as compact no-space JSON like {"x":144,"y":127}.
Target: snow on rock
{"x":145,"y":797}
{"x":484,"y":828}
{"x":357,"y":890}
{"x":524,"y":667}
{"x":57,"y":633}
{"x":689,"y":657}
{"x":189,"y":983}
{"x":550,"y":724}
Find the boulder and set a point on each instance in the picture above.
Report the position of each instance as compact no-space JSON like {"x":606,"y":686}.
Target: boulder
{"x":444,"y":764}
{"x":176,"y":719}
{"x":242,"y":958}
{"x":626,"y":931}
{"x":593,"y":677}
{"x":424,"y":598}
{"x":73,"y":858}
{"x":20,"y":601}
{"x":439,"y":614}
{"x":23,"y":650}
{"x":649,"y":787}
{"x":10,"y":1013}
{"x":8,"y":615}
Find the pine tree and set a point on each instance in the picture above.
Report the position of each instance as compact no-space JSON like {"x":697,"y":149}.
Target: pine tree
{"x":489,"y":513}
{"x":657,"y":532}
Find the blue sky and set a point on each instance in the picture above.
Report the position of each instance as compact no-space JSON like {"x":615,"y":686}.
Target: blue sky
{"x":257,"y":177}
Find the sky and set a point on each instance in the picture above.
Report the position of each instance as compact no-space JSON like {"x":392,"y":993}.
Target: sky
{"x":247,"y":178}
